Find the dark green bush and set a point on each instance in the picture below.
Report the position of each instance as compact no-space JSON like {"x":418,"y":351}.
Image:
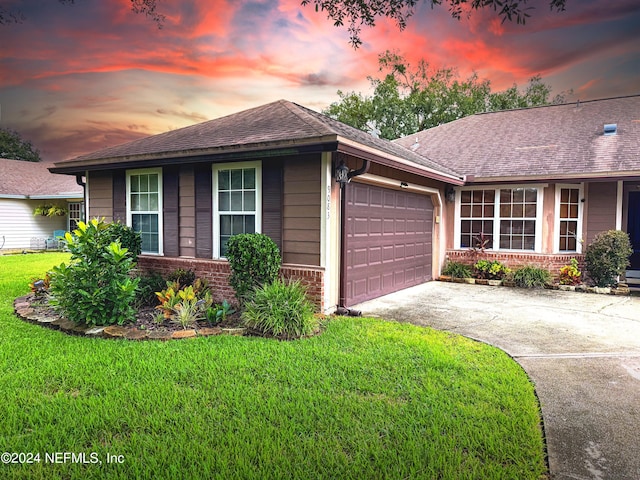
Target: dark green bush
{"x":149,"y":283}
{"x":255,"y":260}
{"x":530,"y":277}
{"x":95,"y":288}
{"x":129,"y":238}
{"x":280,"y":309}
{"x":607,"y":257}
{"x":182,"y":276}
{"x":457,"y":270}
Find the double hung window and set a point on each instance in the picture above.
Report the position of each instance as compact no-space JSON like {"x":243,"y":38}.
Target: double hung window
{"x":237,"y":205}
{"x":144,"y":207}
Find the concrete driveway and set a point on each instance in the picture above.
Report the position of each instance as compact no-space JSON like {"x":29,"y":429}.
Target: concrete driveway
{"x":581,"y":350}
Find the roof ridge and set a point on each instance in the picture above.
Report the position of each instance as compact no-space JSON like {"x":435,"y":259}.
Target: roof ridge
{"x":549,"y":105}
{"x":305,"y":115}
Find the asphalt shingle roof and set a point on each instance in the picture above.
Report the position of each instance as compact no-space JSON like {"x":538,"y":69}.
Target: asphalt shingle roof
{"x":277,"y":124}
{"x":551,"y":141}
{"x":33,"y":179}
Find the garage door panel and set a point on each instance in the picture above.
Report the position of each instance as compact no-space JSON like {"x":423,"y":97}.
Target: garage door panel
{"x":397,"y":241}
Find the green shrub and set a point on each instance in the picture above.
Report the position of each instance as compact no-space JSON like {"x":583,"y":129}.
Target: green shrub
{"x":607,"y":257}
{"x":129,"y":238}
{"x":280,"y":309}
{"x":148,"y":284}
{"x":529,"y":277}
{"x":95,"y":288}
{"x":255,"y":260}
{"x":218,"y":313}
{"x":182,"y":276}
{"x":457,"y":270}
{"x":490,"y":270}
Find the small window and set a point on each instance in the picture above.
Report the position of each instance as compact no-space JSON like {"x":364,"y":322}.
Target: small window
{"x":568,"y":223}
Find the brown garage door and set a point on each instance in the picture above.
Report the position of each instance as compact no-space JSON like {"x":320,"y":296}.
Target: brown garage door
{"x":388,"y":235}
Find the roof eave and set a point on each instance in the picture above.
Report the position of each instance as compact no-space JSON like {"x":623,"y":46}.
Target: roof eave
{"x":229,"y":152}
{"x":351,"y":147}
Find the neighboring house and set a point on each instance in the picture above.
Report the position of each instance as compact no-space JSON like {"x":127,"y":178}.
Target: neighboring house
{"x":541,"y":182}
{"x":537,"y":183}
{"x":26,"y":186}
{"x":271,"y":169}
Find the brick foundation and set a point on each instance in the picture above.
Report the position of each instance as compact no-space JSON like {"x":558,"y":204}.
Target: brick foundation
{"x":551,"y":262}
{"x":217,"y":272}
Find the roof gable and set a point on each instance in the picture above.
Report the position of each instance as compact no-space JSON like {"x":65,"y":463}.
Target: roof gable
{"x":556,"y":141}
{"x":33,"y":180}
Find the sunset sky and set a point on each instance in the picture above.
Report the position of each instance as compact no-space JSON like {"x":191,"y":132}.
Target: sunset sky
{"x":77,"y":78}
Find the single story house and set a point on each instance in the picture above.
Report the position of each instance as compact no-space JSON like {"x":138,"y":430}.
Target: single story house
{"x":536,"y":183}
{"x":540,"y":182}
{"x":27,"y":188}
{"x":272,"y":169}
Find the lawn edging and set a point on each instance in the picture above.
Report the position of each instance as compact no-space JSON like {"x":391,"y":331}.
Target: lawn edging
{"x":26,"y":310}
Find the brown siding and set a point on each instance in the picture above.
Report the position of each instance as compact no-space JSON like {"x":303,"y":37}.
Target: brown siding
{"x":101,"y":195}
{"x":600,"y":213}
{"x":187,"y":212}
{"x":301,"y":211}
{"x":170,"y":199}
{"x":203,"y":208}
{"x":272,"y":200}
{"x":120,"y":196}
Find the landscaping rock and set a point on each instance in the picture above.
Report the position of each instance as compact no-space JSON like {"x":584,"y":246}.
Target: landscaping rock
{"x":64,"y":324}
{"x":114,"y":331}
{"x":95,"y":331}
{"x":206,"y":332}
{"x":234,"y":331}
{"x":136,"y":334}
{"x":160,"y":335}
{"x":183,"y":334}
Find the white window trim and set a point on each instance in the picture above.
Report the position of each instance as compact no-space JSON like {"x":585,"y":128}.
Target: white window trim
{"x":216,"y":167}
{"x":144,"y":171}
{"x":496,"y":217}
{"x":556,"y":218}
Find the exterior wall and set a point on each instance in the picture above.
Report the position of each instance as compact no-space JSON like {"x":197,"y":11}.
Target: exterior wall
{"x":301,"y":211}
{"x":217,"y":272}
{"x":20,"y":229}
{"x":100,"y":188}
{"x":513,"y":260}
{"x":600,"y":209}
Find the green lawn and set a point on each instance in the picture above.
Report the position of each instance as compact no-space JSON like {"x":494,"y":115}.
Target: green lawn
{"x":366,"y":399}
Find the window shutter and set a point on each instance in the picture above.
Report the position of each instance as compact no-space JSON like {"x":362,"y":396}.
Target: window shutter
{"x":170,"y":203}
{"x":272,"y":201}
{"x":119,"y":179}
{"x":204,"y":214}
